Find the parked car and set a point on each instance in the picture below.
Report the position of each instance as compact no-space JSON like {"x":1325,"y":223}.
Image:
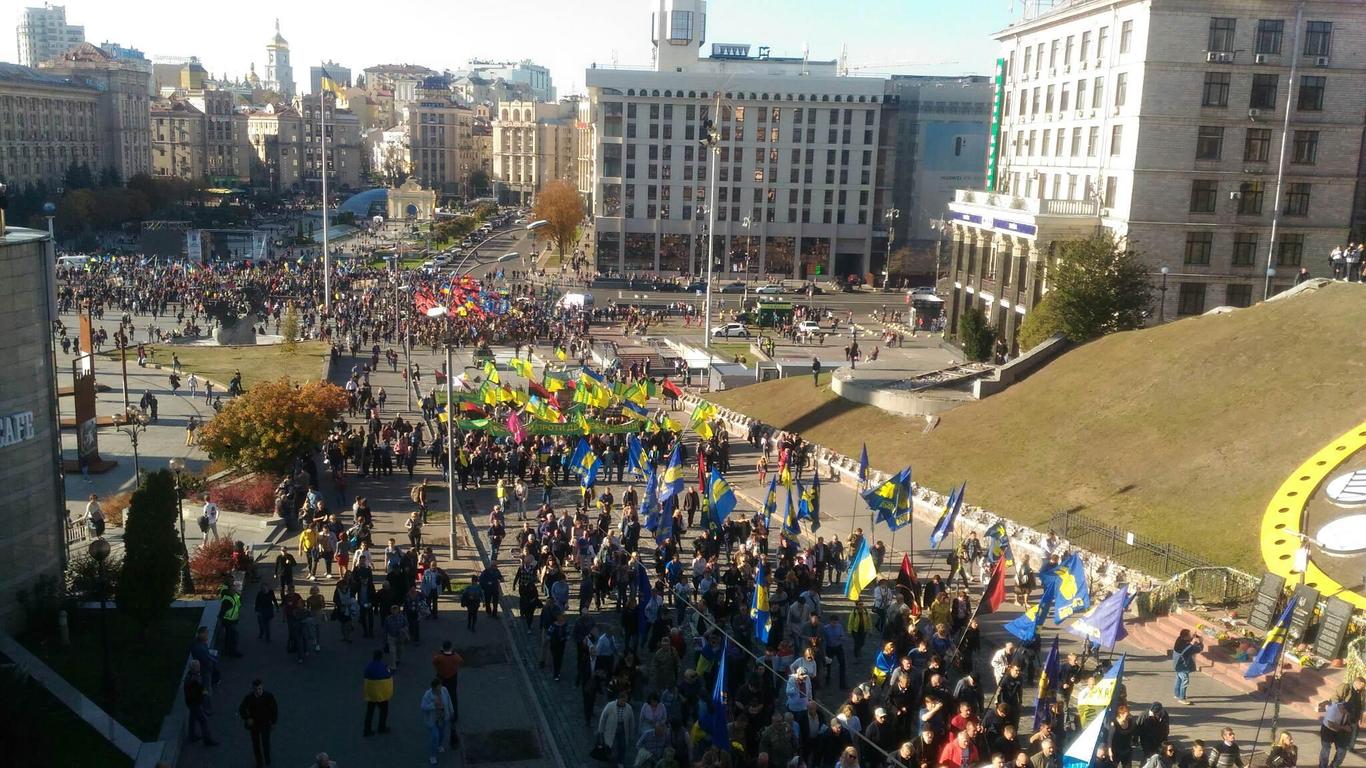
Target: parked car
{"x":698,"y":286}
{"x":735,"y":287}
{"x":809,"y":327}
{"x":731,"y":329}
{"x":772,"y":289}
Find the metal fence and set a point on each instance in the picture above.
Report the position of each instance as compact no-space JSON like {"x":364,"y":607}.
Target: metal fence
{"x":1155,"y":558}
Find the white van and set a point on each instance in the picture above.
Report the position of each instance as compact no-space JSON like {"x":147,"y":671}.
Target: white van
{"x":577,"y":300}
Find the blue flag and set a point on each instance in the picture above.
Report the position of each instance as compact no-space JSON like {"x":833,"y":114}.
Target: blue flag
{"x":1071,"y":593}
{"x":771,"y":501}
{"x":950,"y":516}
{"x":1270,"y":653}
{"x":673,"y":476}
{"x":790,"y":527}
{"x":809,"y":502}
{"x":1026,"y":625}
{"x":581,"y":451}
{"x":635,"y":454}
{"x":649,"y":503}
{"x":720,"y":497}
{"x":886,"y":499}
{"x":759,"y":609}
{"x":643,"y":596}
{"x":998,"y":544}
{"x":1048,"y":684}
{"x":717,"y":727}
{"x":666,"y":516}
{"x":1104,"y":624}
{"x":863,"y":465}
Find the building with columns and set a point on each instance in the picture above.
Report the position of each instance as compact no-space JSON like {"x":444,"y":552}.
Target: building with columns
{"x":124,"y":105}
{"x":803,"y":172}
{"x":533,"y":144}
{"x":47,"y":122}
{"x":1219,"y":139}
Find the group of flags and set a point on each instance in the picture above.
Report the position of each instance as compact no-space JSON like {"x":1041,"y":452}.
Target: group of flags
{"x":1066,"y":591}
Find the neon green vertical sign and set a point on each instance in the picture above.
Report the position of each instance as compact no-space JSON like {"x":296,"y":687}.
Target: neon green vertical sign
{"x":997,"y":103}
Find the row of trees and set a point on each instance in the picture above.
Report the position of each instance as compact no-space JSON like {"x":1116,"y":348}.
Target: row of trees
{"x":87,"y":202}
{"x":1098,"y":286}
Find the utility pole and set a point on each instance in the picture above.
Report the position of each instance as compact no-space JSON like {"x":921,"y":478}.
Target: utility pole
{"x":710,"y":141}
{"x":450,"y":448}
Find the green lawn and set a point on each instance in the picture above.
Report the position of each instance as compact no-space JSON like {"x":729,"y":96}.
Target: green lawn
{"x":146,"y":667}
{"x":1196,"y":421}
{"x":53,"y":736}
{"x":257,"y":363}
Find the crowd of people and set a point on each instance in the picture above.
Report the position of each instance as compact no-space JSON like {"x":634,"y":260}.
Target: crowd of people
{"x":656,"y":599}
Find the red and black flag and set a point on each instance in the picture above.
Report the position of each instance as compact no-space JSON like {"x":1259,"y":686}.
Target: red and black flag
{"x":908,"y":583}
{"x":995,"y":592}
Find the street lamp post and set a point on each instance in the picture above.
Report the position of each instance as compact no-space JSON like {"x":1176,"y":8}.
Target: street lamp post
{"x":746,"y":223}
{"x":1270,"y":280}
{"x":186,"y":581}
{"x":136,"y":424}
{"x":1162,"y":307}
{"x":451,"y":457}
{"x":99,"y":552}
{"x":711,"y":140}
{"x":891,"y":216}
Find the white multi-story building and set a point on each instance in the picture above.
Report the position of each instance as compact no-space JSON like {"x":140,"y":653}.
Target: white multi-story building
{"x":43,"y":34}
{"x":279,"y":72}
{"x":533,"y":144}
{"x":1220,"y":138}
{"x":534,"y":77}
{"x":800,"y":179}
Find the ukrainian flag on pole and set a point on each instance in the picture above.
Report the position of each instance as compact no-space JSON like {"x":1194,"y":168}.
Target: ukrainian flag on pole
{"x":720,"y":497}
{"x":1270,"y":653}
{"x":758,"y":611}
{"x":862,"y":571}
{"x":672,"y":484}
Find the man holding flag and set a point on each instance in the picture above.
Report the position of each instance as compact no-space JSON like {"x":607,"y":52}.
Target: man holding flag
{"x":862,"y":572}
{"x":759,"y":609}
{"x":720,"y":498}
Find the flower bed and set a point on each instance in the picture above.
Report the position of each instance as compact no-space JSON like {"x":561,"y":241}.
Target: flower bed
{"x":253,"y":494}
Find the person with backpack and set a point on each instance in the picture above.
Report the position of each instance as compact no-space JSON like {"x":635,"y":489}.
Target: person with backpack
{"x":1184,"y":651}
{"x":472,"y":598}
{"x":1335,"y":732}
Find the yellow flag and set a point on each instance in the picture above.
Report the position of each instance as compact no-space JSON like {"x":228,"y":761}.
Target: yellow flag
{"x":491,"y":372}
{"x":522,"y":367}
{"x":553,"y":384}
{"x":561,"y":355}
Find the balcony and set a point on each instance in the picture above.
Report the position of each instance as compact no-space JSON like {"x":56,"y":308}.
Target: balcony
{"x":1029,"y":205}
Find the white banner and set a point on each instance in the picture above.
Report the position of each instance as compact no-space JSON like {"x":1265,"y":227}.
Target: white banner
{"x":194,"y":247}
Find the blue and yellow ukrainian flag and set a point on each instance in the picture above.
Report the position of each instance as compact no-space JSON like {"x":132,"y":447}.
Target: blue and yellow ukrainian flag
{"x":950,"y":516}
{"x":672,"y":483}
{"x":1270,"y":654}
{"x":720,"y":497}
{"x":771,"y":500}
{"x":758,"y":610}
{"x":862,"y":571}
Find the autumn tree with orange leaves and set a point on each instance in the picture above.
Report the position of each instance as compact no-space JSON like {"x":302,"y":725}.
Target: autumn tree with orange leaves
{"x":274,"y":422}
{"x":561,"y":207}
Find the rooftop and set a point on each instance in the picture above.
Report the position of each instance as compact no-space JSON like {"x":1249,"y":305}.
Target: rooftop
{"x":16,"y":73}
{"x":17,"y":235}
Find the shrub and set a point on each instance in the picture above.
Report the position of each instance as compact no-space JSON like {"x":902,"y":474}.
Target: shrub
{"x":975,"y":335}
{"x":254,"y":495}
{"x":211,"y":564}
{"x":83,"y":576}
{"x":113,"y":506}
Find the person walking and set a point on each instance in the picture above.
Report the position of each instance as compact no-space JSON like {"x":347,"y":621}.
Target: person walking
{"x":616,"y":727}
{"x":395,"y":633}
{"x":816,"y":371}
{"x":379,"y":689}
{"x":266,"y":606}
{"x":259,"y":713}
{"x":472,"y":598}
{"x":94,"y":516}
{"x":446,"y":663}
{"x":436,"y":707}
{"x":208,"y":521}
{"x":230,"y":611}
{"x":196,"y":696}
{"x":1335,"y":733}
{"x":1184,"y":651}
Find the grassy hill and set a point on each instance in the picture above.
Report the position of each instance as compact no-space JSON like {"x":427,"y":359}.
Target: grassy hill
{"x":1181,"y":432}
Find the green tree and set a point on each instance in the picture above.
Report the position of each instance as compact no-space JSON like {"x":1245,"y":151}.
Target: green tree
{"x":1099,"y":286}
{"x":289,"y":328}
{"x":152,"y":551}
{"x":975,"y":335}
{"x":1039,"y":325}
{"x":479,"y":182}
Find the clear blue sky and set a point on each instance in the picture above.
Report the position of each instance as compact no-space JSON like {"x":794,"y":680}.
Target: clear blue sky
{"x":922,"y":36}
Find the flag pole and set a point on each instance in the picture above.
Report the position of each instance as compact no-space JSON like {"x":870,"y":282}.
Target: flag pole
{"x":327,"y":260}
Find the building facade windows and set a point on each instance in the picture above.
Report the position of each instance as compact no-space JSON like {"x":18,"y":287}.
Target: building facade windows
{"x":1204,"y":195}
{"x":1199,"y":246}
{"x":1190,"y":299}
{"x":1215,"y":93}
{"x":1270,"y":32}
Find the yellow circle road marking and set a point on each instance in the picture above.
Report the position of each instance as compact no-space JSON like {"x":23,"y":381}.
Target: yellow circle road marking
{"x":1281,"y":525}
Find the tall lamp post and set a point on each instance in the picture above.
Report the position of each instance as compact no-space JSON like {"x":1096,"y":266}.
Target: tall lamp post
{"x":177,"y":465}
{"x":99,"y":552}
{"x":137,"y":424}
{"x":747,"y":223}
{"x":1270,"y":281}
{"x":891,"y":216}
{"x":1162,"y":307}
{"x":710,"y":141}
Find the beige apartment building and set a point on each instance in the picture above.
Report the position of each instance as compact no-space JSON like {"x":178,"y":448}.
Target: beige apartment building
{"x":124,"y":106}
{"x":47,"y":122}
{"x":534,"y":143}
{"x":286,"y":146}
{"x":1220,"y":138}
{"x":201,"y":136}
{"x":441,"y":142}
